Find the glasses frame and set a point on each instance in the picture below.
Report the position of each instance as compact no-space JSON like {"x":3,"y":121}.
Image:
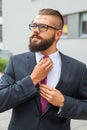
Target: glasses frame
{"x":34,"y":26}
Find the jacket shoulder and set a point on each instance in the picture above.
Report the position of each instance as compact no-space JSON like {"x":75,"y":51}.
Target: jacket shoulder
{"x":22,"y":54}
{"x":72,"y":60}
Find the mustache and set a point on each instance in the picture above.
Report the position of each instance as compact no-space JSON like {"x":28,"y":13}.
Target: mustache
{"x":35,"y":35}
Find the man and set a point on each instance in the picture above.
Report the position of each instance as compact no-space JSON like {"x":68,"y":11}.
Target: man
{"x":64,"y":92}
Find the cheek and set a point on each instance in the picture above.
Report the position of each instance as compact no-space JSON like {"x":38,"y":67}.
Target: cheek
{"x":46,"y":35}
{"x":31,"y":34}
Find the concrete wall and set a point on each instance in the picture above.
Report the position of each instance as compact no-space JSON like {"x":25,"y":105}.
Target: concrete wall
{"x":18,"y":14}
{"x":76,"y":48}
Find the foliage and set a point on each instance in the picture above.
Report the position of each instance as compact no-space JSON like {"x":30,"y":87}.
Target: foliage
{"x":3,"y":64}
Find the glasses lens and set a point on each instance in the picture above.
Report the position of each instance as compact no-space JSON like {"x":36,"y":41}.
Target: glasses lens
{"x":32,"y":26}
{"x":43,"y":27}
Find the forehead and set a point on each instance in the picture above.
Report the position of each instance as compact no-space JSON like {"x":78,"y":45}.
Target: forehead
{"x":45,"y":19}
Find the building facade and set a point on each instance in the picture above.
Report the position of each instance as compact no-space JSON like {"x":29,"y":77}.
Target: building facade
{"x":18,"y":14}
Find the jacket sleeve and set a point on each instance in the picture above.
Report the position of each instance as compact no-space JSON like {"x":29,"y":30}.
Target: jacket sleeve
{"x":14,"y":92}
{"x":76,"y":108}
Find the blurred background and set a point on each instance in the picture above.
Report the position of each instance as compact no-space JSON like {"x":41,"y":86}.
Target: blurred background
{"x":15,"y":16}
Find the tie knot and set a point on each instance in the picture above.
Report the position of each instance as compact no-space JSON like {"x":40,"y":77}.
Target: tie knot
{"x":45,"y":56}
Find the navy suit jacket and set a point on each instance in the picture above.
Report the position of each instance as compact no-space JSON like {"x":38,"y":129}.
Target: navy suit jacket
{"x":17,"y":91}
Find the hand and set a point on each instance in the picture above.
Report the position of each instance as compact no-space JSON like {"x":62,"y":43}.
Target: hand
{"x":52,"y":95}
{"x":41,"y":70}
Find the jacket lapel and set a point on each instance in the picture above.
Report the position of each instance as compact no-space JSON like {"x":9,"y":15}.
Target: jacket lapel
{"x":65,"y":71}
{"x":31,"y":62}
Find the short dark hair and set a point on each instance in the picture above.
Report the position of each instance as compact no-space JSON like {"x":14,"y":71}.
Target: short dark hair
{"x":56,"y":13}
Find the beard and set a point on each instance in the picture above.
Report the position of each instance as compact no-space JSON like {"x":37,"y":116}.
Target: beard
{"x":44,"y":44}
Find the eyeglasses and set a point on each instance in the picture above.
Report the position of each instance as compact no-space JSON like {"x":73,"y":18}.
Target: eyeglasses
{"x":41,"y":27}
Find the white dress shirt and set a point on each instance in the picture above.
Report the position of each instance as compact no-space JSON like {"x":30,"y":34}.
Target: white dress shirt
{"x":53,"y":76}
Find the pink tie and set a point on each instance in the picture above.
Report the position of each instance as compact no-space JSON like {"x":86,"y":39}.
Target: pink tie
{"x":43,"y":101}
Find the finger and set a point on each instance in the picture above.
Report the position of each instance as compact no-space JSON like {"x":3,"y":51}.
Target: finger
{"x":46,"y":87}
{"x":46,"y":61}
{"x":46,"y":96}
{"x":46,"y":66}
{"x":49,"y":66}
{"x":46,"y":92}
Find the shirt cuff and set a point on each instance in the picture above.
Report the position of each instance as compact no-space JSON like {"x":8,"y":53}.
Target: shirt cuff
{"x":60,"y":109}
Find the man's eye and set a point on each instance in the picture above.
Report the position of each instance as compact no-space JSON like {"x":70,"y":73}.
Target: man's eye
{"x":34,"y":26}
{"x":42,"y":26}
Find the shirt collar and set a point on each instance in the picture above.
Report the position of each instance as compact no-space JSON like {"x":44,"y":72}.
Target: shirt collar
{"x":54,"y":56}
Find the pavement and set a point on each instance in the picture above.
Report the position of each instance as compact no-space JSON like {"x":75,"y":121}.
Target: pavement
{"x":5,"y":118}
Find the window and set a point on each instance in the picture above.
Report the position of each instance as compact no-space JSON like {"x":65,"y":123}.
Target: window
{"x":0,"y":7}
{"x":65,"y":28}
{"x":0,"y":33}
{"x":83,"y":24}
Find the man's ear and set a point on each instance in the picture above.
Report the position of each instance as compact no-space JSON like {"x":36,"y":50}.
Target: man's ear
{"x":58,"y":34}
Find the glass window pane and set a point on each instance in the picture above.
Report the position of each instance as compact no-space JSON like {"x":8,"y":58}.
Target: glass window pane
{"x":84,"y":27}
{"x":83,"y":24}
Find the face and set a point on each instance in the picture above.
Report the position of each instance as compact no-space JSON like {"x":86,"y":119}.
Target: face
{"x":40,"y":41}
